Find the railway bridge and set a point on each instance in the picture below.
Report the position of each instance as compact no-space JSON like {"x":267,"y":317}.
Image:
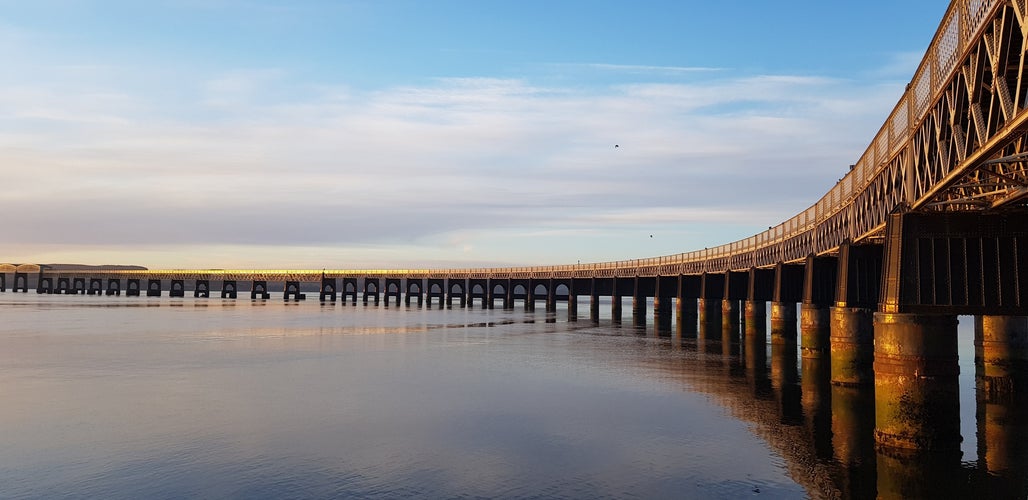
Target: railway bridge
{"x":929,"y":223}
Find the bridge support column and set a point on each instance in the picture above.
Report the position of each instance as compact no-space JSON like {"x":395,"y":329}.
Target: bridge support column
{"x":178,"y":289}
{"x":639,"y":310}
{"x":96,"y":286}
{"x":45,"y":285}
{"x":1001,"y":369}
{"x":783,"y":322}
{"x":132,"y":287}
{"x":594,"y":303}
{"x":1001,"y":353}
{"x":815,"y":330}
{"x":709,"y":311}
{"x":551,"y":296}
{"x":291,"y":290}
{"x":202,"y":288}
{"x":572,"y":304}
{"x":21,"y":283}
{"x":686,"y":317}
{"x":259,"y":290}
{"x":755,"y":311}
{"x":615,"y":307}
{"x":917,"y":405}
{"x":228,"y":289}
{"x":113,"y":286}
{"x":729,"y":313}
{"x":662,"y":312}
{"x":328,"y":291}
{"x":852,"y":346}
{"x":153,"y":288}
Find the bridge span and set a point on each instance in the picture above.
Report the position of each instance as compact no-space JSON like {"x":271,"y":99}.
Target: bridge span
{"x":930,"y":222}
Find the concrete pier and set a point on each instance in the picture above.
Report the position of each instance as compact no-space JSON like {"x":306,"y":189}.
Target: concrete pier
{"x":686,"y":316}
{"x":709,"y":311}
{"x":917,"y":405}
{"x":783,"y":322}
{"x":852,"y":340}
{"x":815,"y":329}
{"x":729,"y":312}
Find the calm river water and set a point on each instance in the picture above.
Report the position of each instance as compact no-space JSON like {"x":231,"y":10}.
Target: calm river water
{"x":116,"y":397}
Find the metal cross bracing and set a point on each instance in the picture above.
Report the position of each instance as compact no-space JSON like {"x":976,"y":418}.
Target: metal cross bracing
{"x":957,"y":140}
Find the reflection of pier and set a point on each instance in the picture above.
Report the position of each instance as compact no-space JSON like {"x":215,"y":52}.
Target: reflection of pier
{"x":930,"y":222}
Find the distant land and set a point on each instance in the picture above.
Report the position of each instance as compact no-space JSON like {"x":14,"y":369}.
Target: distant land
{"x":87,"y":267}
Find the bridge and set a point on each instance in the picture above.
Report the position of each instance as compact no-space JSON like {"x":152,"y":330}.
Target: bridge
{"x":929,"y":223}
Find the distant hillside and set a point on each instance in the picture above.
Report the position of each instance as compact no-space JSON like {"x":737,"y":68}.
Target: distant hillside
{"x":86,"y":267}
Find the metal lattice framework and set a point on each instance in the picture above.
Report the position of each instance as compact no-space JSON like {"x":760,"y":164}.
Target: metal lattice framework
{"x":955,"y":141}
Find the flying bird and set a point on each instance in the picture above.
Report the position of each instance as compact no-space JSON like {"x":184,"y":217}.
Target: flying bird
{"x":615,"y":146}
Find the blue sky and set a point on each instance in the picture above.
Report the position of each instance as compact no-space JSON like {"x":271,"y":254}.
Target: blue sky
{"x":343,"y":134}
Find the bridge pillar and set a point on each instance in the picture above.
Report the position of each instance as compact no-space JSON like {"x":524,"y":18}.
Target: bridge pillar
{"x":132,"y":287}
{"x":615,"y":301}
{"x":178,"y":288}
{"x":1001,"y":369}
{"x":551,"y":296}
{"x":858,"y":278}
{"x":113,"y":286}
{"x":229,"y":289}
{"x":371,"y":289}
{"x":259,"y":290}
{"x":755,"y":355}
{"x":917,"y":405}
{"x":393,"y":288}
{"x":852,"y":346}
{"x":664,"y":291}
{"x":202,"y":288}
{"x":21,"y":282}
{"x":783,"y":322}
{"x":460,"y":295}
{"x":96,"y":286}
{"x":1001,"y":354}
{"x":45,"y":285}
{"x":291,"y":289}
{"x":349,"y":290}
{"x":63,"y":286}
{"x":709,"y":311}
{"x":3,"y":281}
{"x":153,"y":287}
{"x":328,"y":291}
{"x":78,"y":285}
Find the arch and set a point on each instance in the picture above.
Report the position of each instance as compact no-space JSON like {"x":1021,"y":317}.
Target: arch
{"x":230,"y":287}
{"x":392,"y":288}
{"x":371,"y":287}
{"x":133,"y":285}
{"x":520,"y":289}
{"x":260,"y":287}
{"x":562,"y":289}
{"x":155,"y":285}
{"x":350,"y":287}
{"x":413,"y":287}
{"x":457,"y":287}
{"x":330,"y":287}
{"x":292,"y":287}
{"x":201,"y":285}
{"x":436,"y":288}
{"x":477,"y":289}
{"x":175,"y":285}
{"x":540,"y":290}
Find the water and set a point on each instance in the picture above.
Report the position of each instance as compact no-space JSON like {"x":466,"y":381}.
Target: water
{"x":107,"y":397}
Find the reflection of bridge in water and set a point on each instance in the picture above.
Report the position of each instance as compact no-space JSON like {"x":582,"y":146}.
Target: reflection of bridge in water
{"x":930,"y":222}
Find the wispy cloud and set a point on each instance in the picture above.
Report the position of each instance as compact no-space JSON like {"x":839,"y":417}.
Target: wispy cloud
{"x":250,"y":158}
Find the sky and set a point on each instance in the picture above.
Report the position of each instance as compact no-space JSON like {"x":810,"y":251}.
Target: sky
{"x":311,"y":134}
